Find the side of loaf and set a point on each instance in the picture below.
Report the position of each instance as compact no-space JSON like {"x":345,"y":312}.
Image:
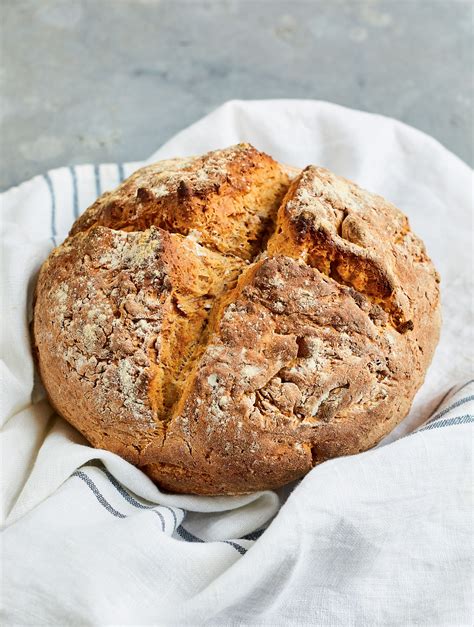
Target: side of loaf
{"x":225,"y":323}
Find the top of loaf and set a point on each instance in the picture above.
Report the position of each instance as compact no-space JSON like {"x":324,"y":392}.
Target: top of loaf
{"x":225,"y":199}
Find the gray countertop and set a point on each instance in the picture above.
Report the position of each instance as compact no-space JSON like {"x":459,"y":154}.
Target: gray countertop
{"x":110,"y":80}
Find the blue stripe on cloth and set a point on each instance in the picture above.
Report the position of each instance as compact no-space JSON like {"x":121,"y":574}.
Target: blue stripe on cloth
{"x":121,"y":172}
{"x":448,"y":409}
{"x":103,"y":501}
{"x":448,"y":422}
{"x":98,"y":186}
{"x":236,"y":546}
{"x":184,"y":533}
{"x":160,"y":516}
{"x":190,"y":537}
{"x":88,"y":481}
{"x":75,"y":193}
{"x":129,"y":498}
{"x":254,"y":535}
{"x":187,"y":535}
{"x":50,"y":185}
{"x":126,"y":495}
{"x":173,"y":514}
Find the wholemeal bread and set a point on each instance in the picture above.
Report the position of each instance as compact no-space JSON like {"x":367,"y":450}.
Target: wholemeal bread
{"x":225,"y":322}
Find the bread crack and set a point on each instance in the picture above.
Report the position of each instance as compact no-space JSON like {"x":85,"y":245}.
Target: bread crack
{"x":203,"y":280}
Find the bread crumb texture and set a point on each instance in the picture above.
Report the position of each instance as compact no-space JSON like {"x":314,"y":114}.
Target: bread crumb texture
{"x":225,"y":322}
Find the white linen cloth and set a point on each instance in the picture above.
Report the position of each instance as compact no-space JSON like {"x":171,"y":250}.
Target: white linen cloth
{"x":381,"y":538}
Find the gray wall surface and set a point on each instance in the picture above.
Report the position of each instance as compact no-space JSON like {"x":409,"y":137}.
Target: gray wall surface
{"x":110,"y":80}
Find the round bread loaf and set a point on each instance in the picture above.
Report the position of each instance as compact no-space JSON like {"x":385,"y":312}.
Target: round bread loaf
{"x":225,"y":323}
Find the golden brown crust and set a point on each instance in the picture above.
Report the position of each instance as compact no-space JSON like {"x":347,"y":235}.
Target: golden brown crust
{"x":227,"y":198}
{"x":237,"y":363}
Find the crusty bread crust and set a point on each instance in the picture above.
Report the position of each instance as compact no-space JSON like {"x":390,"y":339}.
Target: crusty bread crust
{"x":225,"y":322}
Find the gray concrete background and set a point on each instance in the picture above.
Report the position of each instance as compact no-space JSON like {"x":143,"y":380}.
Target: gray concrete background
{"x":110,"y":80}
